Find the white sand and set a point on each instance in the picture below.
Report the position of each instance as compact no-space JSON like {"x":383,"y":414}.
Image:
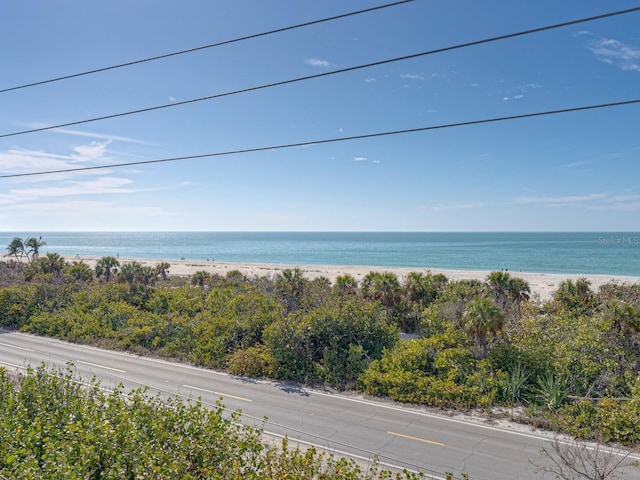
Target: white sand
{"x":542,"y":284}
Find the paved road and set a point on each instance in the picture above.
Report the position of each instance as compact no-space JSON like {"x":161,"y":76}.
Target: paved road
{"x":352,"y":425}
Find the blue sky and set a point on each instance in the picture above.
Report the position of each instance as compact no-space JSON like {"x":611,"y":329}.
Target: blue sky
{"x":570,"y":172}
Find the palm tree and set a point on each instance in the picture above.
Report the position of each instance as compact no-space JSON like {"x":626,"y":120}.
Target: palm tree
{"x":53,"y":263}
{"x":162,"y":269}
{"x":414,"y":287}
{"x":129,"y":273}
{"x":135,"y":273}
{"x":33,"y":244}
{"x":576,"y":296}
{"x":482,"y":318}
{"x":421,"y":288}
{"x":382,"y":286}
{"x":106,"y":266}
{"x":16,"y":248}
{"x":345,"y":285}
{"x":80,"y":271}
{"x":626,"y":318}
{"x":499,"y":286}
{"x":519,"y":291}
{"x":199,"y":278}
{"x":290,"y":285}
{"x":507,"y":291}
{"x":147,"y":275}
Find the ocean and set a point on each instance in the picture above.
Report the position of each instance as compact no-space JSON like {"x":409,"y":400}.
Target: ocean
{"x":611,"y":253}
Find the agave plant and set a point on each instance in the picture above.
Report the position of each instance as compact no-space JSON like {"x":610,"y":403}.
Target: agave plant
{"x":516,"y":388}
{"x":552,"y":390}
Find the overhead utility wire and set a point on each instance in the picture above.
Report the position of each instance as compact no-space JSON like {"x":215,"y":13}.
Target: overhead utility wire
{"x":211,"y":45}
{"x":326,"y":74}
{"x":332,"y":140}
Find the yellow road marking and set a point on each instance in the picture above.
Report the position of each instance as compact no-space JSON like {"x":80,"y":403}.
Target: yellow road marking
{"x":233,"y":396}
{"x":418,"y":439}
{"x":218,"y":393}
{"x":101,"y":366}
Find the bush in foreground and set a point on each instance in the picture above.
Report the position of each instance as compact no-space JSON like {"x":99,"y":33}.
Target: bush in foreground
{"x":53,"y":427}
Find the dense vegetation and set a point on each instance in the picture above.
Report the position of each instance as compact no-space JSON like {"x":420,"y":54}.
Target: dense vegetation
{"x":52,"y":427}
{"x":571,"y":363}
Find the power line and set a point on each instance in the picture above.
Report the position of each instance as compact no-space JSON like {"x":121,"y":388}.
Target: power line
{"x":326,"y":74}
{"x":333,"y":140}
{"x":203,"y":47}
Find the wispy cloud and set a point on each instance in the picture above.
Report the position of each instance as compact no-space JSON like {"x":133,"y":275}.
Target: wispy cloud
{"x":514,"y":97}
{"x":17,"y":160}
{"x":578,"y":164}
{"x":361,"y":159}
{"x":412,"y":76}
{"x":620,"y":207}
{"x":44,"y":195}
{"x":99,"y":136}
{"x":562,"y":200}
{"x":518,"y":92}
{"x":616,"y":53}
{"x":90,"y":153}
{"x":625,"y":198}
{"x":438,"y":207}
{"x":95,"y":186}
{"x":91,"y":214}
{"x":316,"y":62}
{"x":593,"y":201}
{"x":24,"y":190}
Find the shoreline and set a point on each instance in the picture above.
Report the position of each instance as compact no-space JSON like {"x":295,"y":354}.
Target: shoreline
{"x":542,"y":284}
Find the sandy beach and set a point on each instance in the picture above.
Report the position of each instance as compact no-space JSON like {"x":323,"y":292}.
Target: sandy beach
{"x":542,"y":284}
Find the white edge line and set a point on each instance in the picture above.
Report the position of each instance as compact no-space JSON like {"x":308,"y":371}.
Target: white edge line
{"x":118,"y":353}
{"x":429,"y":415}
{"x":461,"y":422}
{"x":181,"y":365}
{"x":16,"y":347}
{"x":198,"y":388}
{"x":347,"y":454}
{"x":12,"y":365}
{"x":100,"y":366}
{"x":224,"y":395}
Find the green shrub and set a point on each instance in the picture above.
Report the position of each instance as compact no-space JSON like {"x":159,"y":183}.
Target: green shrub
{"x":17,"y":304}
{"x":255,"y":361}
{"x":605,"y":420}
{"x":54,"y":427}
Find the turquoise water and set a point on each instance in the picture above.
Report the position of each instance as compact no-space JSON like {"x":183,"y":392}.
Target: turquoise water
{"x":615,"y":253}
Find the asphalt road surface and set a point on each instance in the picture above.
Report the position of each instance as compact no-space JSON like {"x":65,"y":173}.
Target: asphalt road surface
{"x":349,"y":425}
